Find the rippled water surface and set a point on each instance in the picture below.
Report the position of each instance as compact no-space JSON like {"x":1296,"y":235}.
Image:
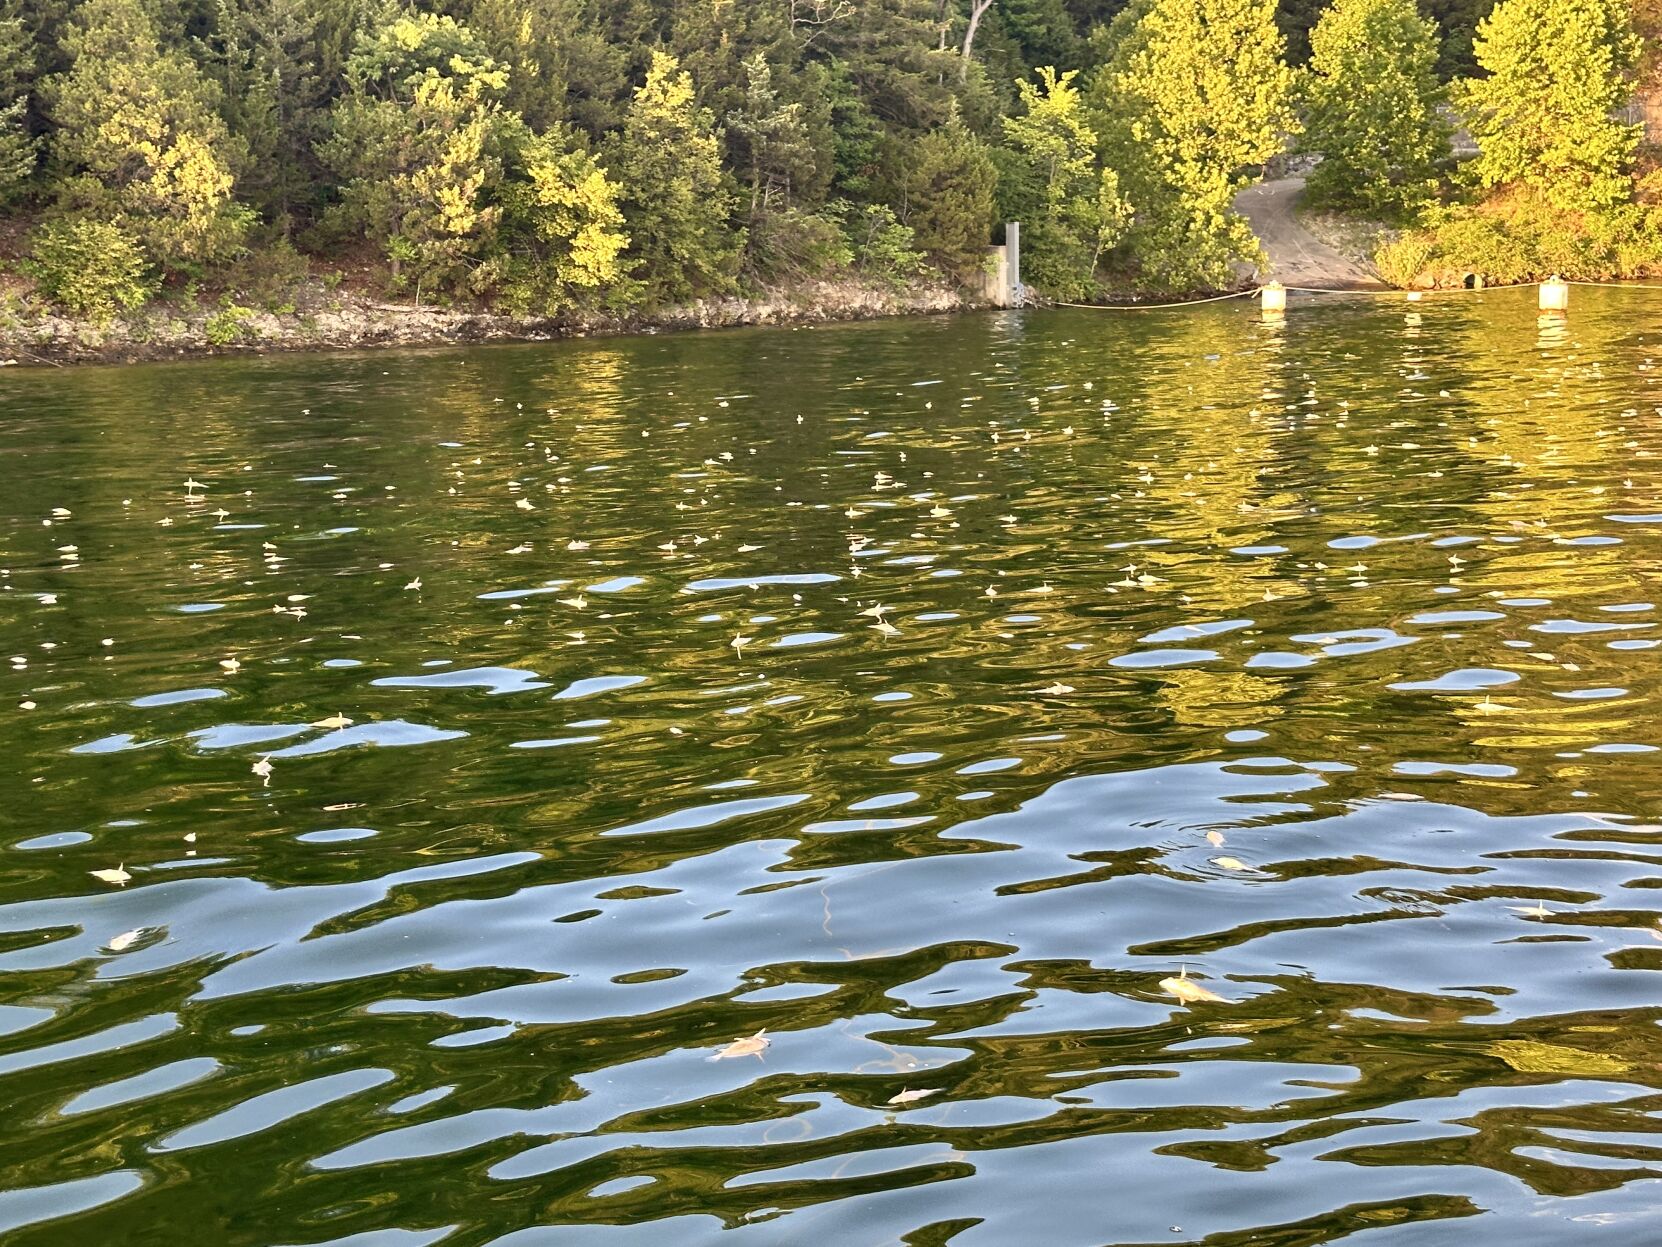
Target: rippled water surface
{"x":491,"y":738}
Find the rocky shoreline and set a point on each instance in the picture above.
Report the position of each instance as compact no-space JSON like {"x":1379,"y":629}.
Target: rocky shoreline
{"x":327,"y":320}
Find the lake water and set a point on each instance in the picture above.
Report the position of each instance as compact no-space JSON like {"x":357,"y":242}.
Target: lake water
{"x":492,"y":737}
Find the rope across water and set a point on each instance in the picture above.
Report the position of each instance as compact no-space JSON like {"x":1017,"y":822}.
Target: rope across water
{"x":1388,"y":293}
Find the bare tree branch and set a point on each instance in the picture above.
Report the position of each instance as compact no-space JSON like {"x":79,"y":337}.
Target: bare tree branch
{"x":810,"y":18}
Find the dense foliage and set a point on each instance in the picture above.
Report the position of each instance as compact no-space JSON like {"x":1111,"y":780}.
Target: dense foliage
{"x":1373,"y":109}
{"x":1194,"y":98}
{"x":1557,"y":169}
{"x":551,"y":156}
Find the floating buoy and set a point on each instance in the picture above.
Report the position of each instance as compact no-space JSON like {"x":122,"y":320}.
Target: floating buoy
{"x":1555,"y":294}
{"x":1272,"y":297}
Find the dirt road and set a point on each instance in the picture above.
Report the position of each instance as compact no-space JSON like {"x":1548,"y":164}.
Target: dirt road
{"x":1296,"y":256}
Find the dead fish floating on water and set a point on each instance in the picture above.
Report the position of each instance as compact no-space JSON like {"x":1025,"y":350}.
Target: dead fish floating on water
{"x":1191,"y":992}
{"x":753,"y":1045}
{"x":912,"y":1097}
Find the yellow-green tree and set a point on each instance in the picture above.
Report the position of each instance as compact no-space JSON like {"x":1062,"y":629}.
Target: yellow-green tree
{"x":415,"y":143}
{"x":1373,"y":97}
{"x":1543,"y":116}
{"x":1070,"y":208}
{"x":562,"y":228}
{"x":678,"y":201}
{"x":138,"y":140}
{"x":1194,"y":99}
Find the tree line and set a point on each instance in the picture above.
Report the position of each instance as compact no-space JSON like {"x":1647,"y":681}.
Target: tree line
{"x":547,"y":156}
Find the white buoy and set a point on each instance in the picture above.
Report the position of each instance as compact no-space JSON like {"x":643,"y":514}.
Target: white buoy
{"x":1555,"y":294}
{"x":1272,"y":297}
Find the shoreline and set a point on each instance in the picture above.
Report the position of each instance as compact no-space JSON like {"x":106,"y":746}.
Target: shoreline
{"x":324,"y":320}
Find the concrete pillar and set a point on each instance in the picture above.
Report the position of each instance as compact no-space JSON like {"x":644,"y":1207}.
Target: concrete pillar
{"x":1012,"y":253}
{"x":1273,"y":297}
{"x":995,"y":285}
{"x":1555,"y":294}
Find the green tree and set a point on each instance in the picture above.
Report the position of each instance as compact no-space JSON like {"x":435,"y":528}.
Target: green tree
{"x":1372,"y":114}
{"x":892,"y":52}
{"x":415,"y":142}
{"x":1043,"y":30}
{"x":1296,"y":19}
{"x":139,"y":141}
{"x":1195,"y":98}
{"x":563,"y":68}
{"x":1557,"y":71}
{"x":1458,"y":20}
{"x":264,"y":56}
{"x":950,"y":191}
{"x":19,"y":149}
{"x":770,"y":141}
{"x":677,"y":201}
{"x":1069,"y":207}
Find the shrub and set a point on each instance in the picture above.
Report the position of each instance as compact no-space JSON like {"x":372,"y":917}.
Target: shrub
{"x":228,"y":325}
{"x":89,"y":268}
{"x":1400,"y":261}
{"x":1518,"y":237}
{"x":270,"y":274}
{"x":791,"y":245}
{"x":879,"y":244}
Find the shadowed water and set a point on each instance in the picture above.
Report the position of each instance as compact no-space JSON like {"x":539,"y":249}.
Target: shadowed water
{"x":493,"y":737}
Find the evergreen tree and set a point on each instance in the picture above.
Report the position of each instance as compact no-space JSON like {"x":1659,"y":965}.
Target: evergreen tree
{"x":19,"y":150}
{"x":1457,"y":19}
{"x":770,"y":141}
{"x":677,"y":202}
{"x":1557,"y":71}
{"x":1372,"y":112}
{"x":562,"y":68}
{"x":1296,"y":19}
{"x":138,"y":139}
{"x":263,"y":55}
{"x":950,"y":195}
{"x":415,"y":142}
{"x":1043,"y":31}
{"x":894,"y":56}
{"x":562,"y":229}
{"x":1195,"y":98}
{"x":1070,"y":209}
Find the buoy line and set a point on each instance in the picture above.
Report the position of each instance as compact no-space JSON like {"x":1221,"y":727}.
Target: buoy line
{"x":1150,"y":307}
{"x":1408,"y":295}
{"x":1616,"y":285}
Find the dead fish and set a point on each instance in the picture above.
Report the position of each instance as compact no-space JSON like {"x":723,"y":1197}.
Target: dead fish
{"x":912,"y":1097}
{"x":753,"y":1045}
{"x":1189,"y":991}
